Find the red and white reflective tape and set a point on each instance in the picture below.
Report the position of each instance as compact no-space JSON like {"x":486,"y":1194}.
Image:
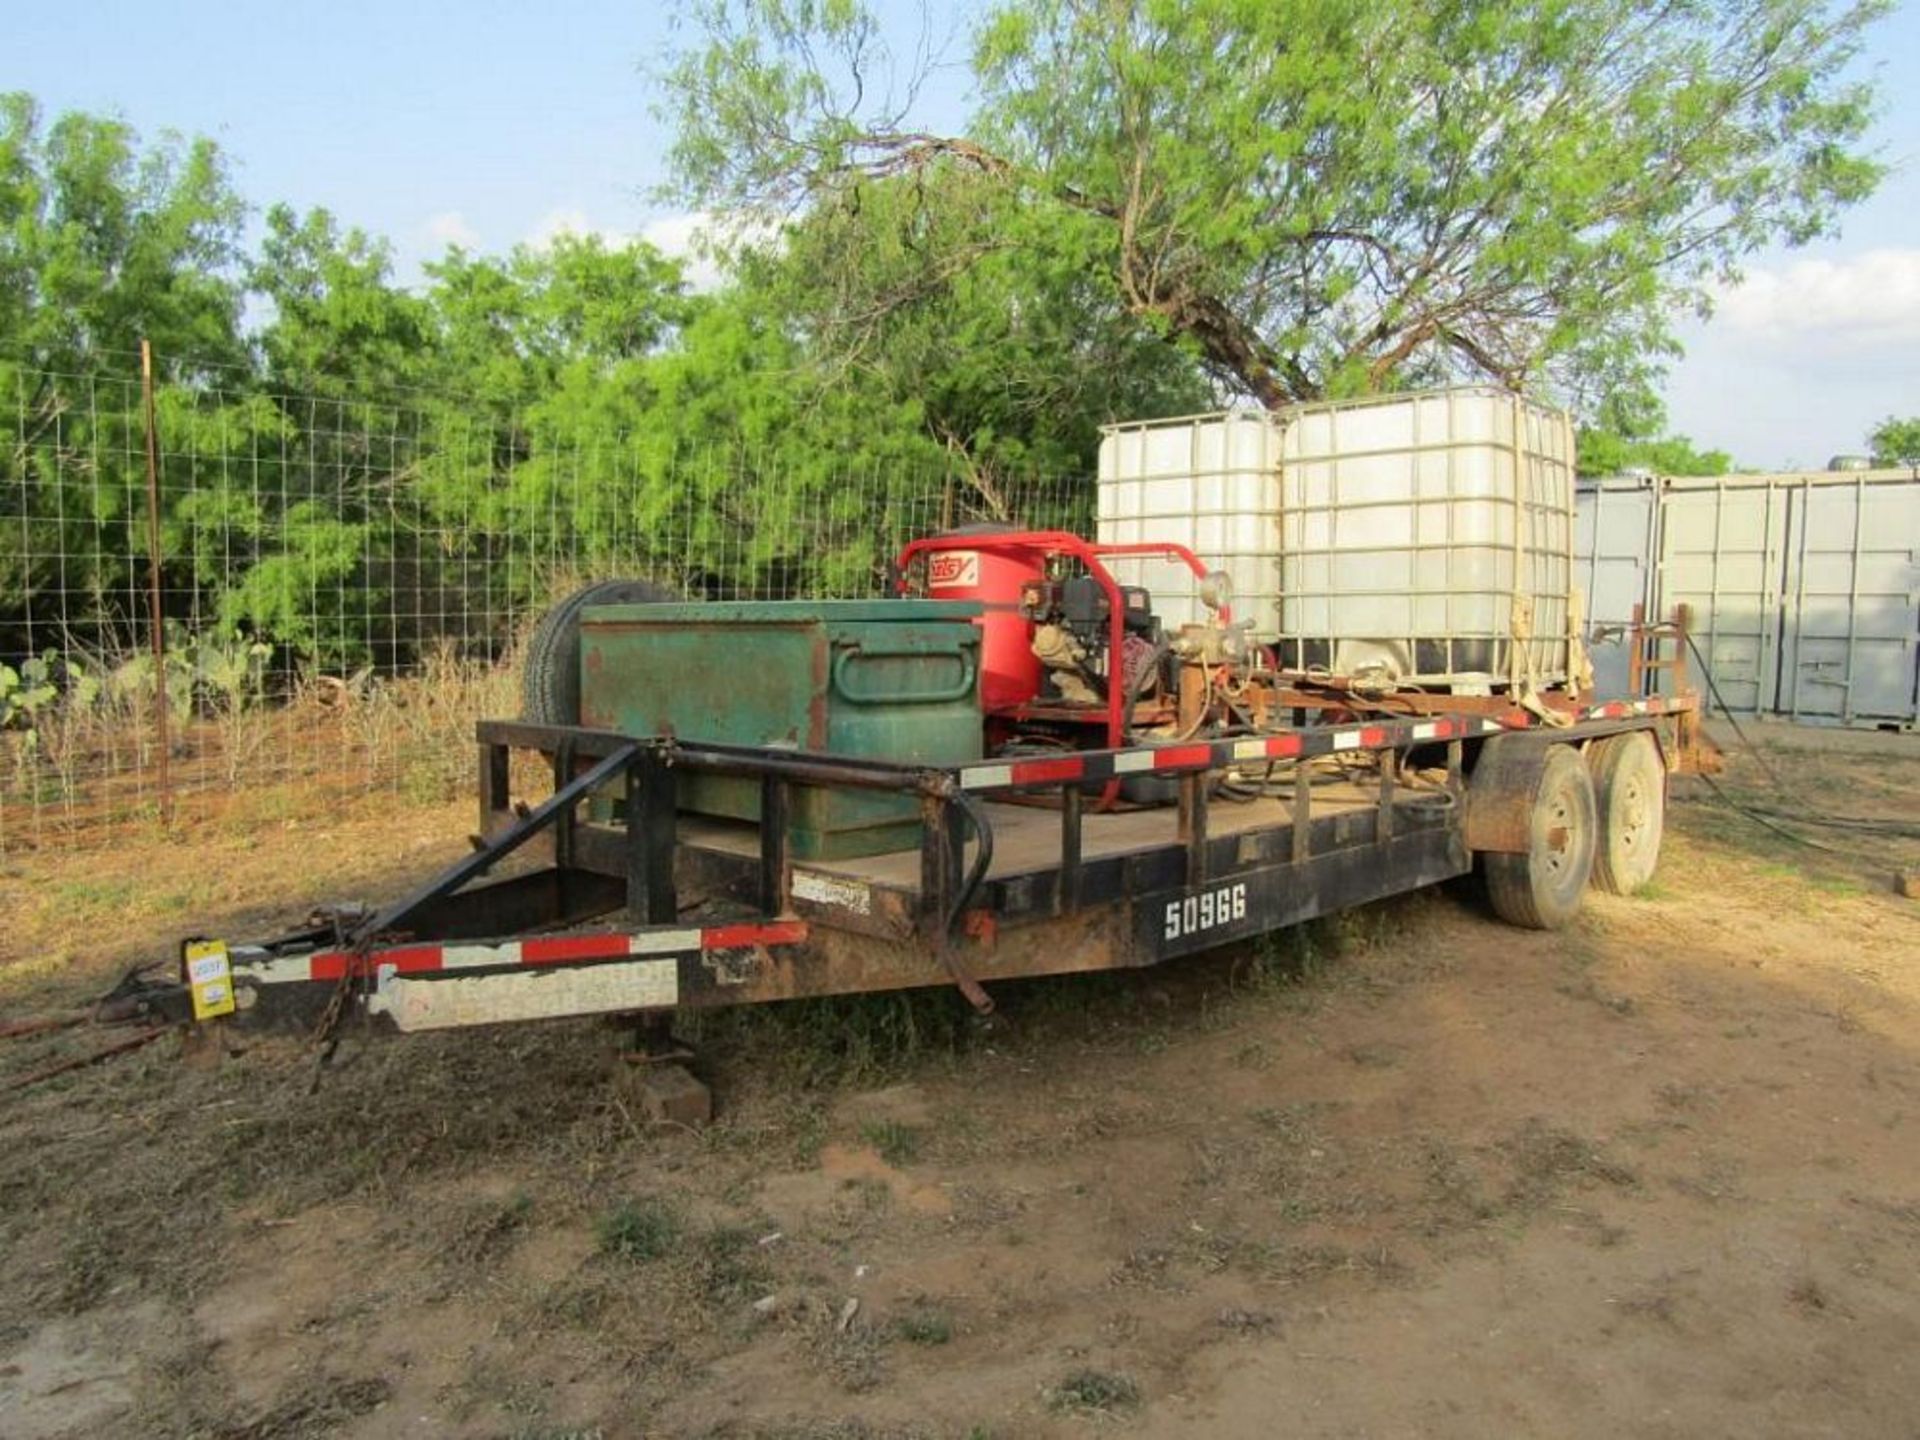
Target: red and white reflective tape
{"x":1090,"y":766}
{"x":1268,"y":747}
{"x":1449,"y":728}
{"x":542,"y":951}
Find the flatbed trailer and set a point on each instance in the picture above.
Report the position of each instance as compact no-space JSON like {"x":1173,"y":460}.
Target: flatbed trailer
{"x":606,"y":899}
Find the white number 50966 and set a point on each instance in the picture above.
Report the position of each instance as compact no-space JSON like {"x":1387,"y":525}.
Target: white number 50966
{"x":1206,"y":911}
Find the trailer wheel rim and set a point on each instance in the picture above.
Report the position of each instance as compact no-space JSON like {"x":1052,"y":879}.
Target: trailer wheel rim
{"x":1540,"y":886}
{"x":1559,"y":835}
{"x":1564,"y":834}
{"x":1634,"y":815}
{"x":1630,"y":778}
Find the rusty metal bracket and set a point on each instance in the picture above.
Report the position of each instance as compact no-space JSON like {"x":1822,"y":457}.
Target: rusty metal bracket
{"x":549,"y":812}
{"x":42,"y":1025}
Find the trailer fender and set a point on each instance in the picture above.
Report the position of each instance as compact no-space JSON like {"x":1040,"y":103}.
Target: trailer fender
{"x":1501,"y":793}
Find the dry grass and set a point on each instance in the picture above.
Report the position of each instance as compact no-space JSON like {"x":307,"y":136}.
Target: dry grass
{"x":119,"y":1189}
{"x":497,"y":1180}
{"x":250,"y":747}
{"x":1095,"y":1392}
{"x":1847,"y":773}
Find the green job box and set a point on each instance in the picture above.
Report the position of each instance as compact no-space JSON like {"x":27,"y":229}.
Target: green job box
{"x":894,"y":680}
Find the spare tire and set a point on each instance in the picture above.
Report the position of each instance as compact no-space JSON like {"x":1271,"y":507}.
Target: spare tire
{"x":550,"y":679}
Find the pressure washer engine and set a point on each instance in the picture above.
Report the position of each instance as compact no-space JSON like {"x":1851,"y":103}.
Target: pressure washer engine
{"x":1070,"y":627}
{"x":1071,"y":659}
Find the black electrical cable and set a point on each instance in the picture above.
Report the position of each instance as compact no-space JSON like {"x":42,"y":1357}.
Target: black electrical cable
{"x":1759,"y":818}
{"x":1713,"y":689}
{"x":1866,"y":825}
{"x":1761,"y":815}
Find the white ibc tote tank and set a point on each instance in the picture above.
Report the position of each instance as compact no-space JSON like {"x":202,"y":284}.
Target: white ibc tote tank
{"x":1420,"y":539}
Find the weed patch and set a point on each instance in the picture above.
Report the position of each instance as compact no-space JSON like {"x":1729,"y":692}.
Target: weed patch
{"x":486,"y":1231}
{"x":730,"y":1268}
{"x":895,"y":1143}
{"x":844,"y":1040}
{"x":644,"y":1229}
{"x":1546,"y":1160}
{"x":925,"y":1325}
{"x":1094,"y":1392}
{"x":314,"y":1408}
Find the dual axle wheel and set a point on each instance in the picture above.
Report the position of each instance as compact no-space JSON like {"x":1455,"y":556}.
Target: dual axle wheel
{"x":1595,"y":818}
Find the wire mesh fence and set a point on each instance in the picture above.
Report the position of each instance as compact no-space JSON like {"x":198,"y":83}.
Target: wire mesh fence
{"x":340,"y":582}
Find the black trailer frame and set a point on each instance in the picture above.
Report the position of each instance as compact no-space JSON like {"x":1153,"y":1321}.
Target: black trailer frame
{"x":716,"y":919}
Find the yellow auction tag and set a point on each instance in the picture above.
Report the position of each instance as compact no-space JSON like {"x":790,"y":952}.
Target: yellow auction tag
{"x":210,"y":978}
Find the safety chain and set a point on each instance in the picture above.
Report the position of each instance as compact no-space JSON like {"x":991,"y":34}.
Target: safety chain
{"x":326,"y":1035}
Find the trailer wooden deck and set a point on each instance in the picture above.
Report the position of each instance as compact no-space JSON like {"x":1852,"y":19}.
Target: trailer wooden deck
{"x":1026,"y":838}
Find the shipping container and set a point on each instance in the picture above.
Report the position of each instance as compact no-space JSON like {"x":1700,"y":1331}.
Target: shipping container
{"x":1805,"y":590}
{"x":1804,"y":587}
{"x":1850,"y":647}
{"x":1722,"y":551}
{"x":1615,"y":530}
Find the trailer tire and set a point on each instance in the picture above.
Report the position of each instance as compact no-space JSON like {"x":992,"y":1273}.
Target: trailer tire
{"x":1630,"y":792}
{"x":550,"y":677}
{"x":1541,"y":887}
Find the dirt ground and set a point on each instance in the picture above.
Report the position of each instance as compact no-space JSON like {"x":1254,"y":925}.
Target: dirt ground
{"x":1407,"y":1173}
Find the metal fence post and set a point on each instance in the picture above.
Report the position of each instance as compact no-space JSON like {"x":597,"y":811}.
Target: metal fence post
{"x":160,"y":717}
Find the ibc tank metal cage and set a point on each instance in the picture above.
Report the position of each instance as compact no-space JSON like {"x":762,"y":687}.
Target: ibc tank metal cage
{"x":1425,"y":537}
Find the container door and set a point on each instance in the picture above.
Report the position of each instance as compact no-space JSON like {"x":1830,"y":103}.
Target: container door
{"x":1722,"y":548}
{"x":1613,"y":567}
{"x":1848,"y":638}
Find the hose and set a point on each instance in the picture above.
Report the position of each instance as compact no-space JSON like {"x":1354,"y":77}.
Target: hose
{"x":1771,"y":818}
{"x":1713,"y":690}
{"x":983,"y":854}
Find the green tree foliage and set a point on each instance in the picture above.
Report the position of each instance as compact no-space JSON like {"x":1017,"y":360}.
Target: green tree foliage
{"x":1895,"y":441}
{"x":512,"y":331}
{"x":1604,"y":453}
{"x":102,"y":243}
{"x":1627,"y":435}
{"x":933,"y":290}
{"x":1320,"y":197}
{"x":338,"y":325}
{"x":359,"y":468}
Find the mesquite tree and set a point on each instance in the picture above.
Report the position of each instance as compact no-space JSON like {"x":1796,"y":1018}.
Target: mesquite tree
{"x":1317,"y":197}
